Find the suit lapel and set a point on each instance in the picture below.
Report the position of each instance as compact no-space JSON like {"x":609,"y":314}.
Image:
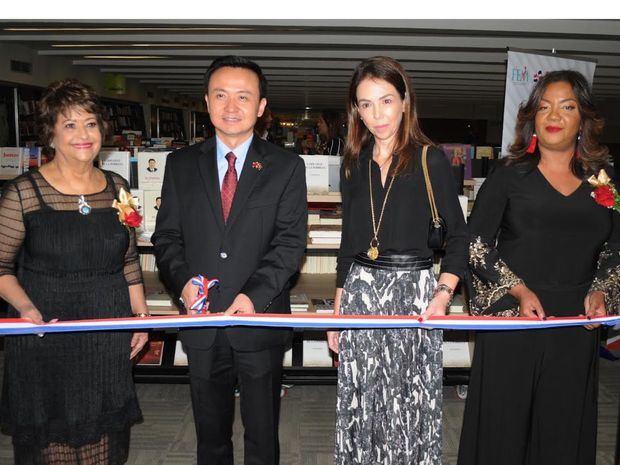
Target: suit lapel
{"x":249,"y":176}
{"x":207,"y":164}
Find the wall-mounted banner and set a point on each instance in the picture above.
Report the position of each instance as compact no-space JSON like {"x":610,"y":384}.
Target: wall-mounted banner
{"x":523,"y":71}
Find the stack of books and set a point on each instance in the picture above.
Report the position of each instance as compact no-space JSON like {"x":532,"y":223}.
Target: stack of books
{"x":325,"y":234}
{"x":299,"y":303}
{"x":323,"y":306}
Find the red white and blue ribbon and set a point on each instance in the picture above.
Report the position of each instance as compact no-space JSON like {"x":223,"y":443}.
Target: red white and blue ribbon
{"x":204,"y":284}
{"x":310,"y":321}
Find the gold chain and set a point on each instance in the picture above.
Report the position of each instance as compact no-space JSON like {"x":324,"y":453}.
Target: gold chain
{"x":373,"y":251}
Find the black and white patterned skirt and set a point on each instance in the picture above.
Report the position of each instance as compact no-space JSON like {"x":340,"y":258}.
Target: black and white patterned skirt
{"x":389,"y":380}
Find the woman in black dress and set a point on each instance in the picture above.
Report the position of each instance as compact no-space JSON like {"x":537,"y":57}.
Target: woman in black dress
{"x":69,"y":398}
{"x":390,"y":381}
{"x":541,"y":247}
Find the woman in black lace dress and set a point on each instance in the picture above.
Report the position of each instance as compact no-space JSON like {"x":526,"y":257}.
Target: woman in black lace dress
{"x":64,"y":255}
{"x":541,"y":247}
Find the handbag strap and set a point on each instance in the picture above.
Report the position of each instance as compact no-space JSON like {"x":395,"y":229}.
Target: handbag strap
{"x":429,"y":187}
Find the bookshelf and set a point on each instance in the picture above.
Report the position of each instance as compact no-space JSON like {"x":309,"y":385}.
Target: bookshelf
{"x":7,"y":116}
{"x":200,"y":125}
{"x":168,"y":122}
{"x":27,"y":99}
{"x":124,"y":116}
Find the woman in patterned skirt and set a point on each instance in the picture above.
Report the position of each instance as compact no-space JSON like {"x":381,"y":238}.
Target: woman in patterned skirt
{"x":390,"y":381}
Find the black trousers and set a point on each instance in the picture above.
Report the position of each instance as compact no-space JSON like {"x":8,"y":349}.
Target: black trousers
{"x":213,"y":375}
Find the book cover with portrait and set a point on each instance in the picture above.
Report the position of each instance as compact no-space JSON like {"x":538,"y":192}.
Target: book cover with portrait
{"x":153,"y":355}
{"x":151,"y":167}
{"x":150,"y":207}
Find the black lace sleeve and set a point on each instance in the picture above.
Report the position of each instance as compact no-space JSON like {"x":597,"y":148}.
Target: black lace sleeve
{"x":490,"y":278}
{"x":12,"y":230}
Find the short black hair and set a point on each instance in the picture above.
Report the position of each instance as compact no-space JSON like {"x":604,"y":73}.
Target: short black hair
{"x":234,"y":61}
{"x":151,"y":159}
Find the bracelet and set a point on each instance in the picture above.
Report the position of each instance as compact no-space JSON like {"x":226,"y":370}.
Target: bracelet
{"x":141,"y":315}
{"x":444,"y":288}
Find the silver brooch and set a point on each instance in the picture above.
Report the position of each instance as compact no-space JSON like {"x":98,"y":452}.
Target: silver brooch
{"x":83,"y":206}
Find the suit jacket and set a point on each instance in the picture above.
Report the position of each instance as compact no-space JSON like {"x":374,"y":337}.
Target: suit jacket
{"x":255,"y":252}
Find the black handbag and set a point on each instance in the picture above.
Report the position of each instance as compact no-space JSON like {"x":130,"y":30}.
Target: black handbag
{"x":437,"y":227}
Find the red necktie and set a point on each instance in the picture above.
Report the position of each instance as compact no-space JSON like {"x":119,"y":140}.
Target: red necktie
{"x":229,"y":185}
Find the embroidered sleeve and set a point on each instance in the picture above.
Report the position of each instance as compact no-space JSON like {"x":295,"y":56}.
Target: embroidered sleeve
{"x":607,"y":278}
{"x":491,"y":279}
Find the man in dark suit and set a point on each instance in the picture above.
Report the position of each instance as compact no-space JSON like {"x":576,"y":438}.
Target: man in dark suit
{"x":234,"y":208}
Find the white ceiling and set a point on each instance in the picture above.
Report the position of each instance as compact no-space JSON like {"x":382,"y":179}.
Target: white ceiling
{"x":309,"y":62}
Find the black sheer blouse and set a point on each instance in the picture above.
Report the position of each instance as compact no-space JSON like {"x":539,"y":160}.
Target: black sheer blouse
{"x":404,"y":229}
{"x":19,"y":199}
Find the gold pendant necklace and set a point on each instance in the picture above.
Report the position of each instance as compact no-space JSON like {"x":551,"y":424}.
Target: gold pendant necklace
{"x":373,"y":250}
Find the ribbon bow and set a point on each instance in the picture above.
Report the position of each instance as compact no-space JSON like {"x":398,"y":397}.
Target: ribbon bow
{"x":204,"y":284}
{"x":124,"y":204}
{"x":601,"y":180}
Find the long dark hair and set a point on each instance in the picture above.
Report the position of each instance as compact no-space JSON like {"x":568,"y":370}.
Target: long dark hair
{"x":592,"y":155}
{"x":409,"y":135}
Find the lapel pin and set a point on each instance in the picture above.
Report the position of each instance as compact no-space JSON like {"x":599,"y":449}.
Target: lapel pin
{"x":257,"y":165}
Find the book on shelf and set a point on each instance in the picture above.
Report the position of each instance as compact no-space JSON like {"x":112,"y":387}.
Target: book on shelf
{"x":317,"y":173}
{"x":325,"y":230}
{"x":331,"y":221}
{"x":287,"y":360}
{"x":325,"y":240}
{"x":158,"y":298}
{"x":319,"y":264}
{"x":483,"y":151}
{"x":116,"y":161}
{"x":133,"y":137}
{"x":31,"y":158}
{"x":152,"y":201}
{"x":314,"y":217}
{"x":153,"y":355}
{"x":299,"y":303}
{"x":323,"y":305}
{"x":464,"y":203}
{"x":334,"y":173}
{"x":133,"y":172}
{"x":148,"y":262}
{"x":151,"y":167}
{"x":316,"y":353}
{"x":180,"y":357}
{"x":458,"y":349}
{"x":10,"y":161}
{"x":459,"y":155}
{"x":458,"y":306}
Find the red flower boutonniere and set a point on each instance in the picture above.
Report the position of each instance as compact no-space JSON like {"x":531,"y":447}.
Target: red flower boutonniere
{"x":127,"y":210}
{"x":604,"y":192}
{"x":257,"y":165}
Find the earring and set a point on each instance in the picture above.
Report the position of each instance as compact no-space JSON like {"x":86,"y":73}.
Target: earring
{"x":577,"y":154}
{"x":532,"y":147}
{"x":52,"y":145}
